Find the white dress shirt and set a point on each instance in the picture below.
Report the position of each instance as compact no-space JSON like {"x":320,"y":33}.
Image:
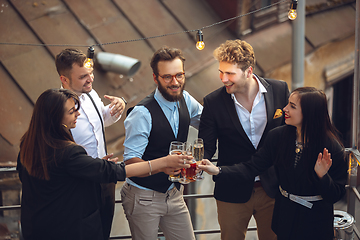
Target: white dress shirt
{"x":253,"y":122}
{"x":88,"y":131}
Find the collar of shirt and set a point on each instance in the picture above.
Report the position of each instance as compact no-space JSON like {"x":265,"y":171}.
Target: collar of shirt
{"x":262,"y":90}
{"x":163,"y":102}
{"x":82,"y":97}
{"x":170,"y":111}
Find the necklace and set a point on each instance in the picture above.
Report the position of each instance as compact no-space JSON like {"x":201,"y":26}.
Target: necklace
{"x":298,"y":151}
{"x":299,"y":146}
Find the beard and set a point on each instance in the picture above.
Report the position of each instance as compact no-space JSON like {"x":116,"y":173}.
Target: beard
{"x":168,"y":96}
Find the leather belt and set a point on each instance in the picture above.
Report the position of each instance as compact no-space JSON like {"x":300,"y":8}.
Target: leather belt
{"x":302,"y":200}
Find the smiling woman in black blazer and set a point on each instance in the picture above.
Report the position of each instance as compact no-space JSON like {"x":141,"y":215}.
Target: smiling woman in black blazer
{"x":310,"y":165}
{"x":60,"y":182}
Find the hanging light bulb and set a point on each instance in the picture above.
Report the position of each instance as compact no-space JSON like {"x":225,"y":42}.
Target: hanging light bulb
{"x":292,"y":13}
{"x":200,"y":40}
{"x":89,"y":63}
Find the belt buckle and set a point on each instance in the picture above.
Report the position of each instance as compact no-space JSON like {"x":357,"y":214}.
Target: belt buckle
{"x":296,"y":199}
{"x":283,"y":192}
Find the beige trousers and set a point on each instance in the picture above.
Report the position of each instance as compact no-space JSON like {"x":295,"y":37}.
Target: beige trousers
{"x":147,"y":210}
{"x":234,"y":217}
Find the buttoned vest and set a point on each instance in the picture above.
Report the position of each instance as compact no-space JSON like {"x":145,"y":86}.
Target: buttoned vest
{"x":161,"y":135}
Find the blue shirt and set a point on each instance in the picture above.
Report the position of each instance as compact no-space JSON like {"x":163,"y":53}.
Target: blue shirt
{"x":138,"y":125}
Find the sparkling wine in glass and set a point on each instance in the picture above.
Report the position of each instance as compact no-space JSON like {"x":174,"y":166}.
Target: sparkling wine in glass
{"x":198,"y":154}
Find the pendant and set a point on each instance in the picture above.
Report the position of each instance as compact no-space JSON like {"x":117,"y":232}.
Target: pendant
{"x":297,"y":149}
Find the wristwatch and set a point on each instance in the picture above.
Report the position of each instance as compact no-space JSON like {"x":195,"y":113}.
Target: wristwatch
{"x":220,"y":171}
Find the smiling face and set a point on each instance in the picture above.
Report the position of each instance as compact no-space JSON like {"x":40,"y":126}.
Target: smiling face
{"x":80,"y":79}
{"x":233,"y":78}
{"x":172,"y":90}
{"x":70,"y":114}
{"x":293,"y":112}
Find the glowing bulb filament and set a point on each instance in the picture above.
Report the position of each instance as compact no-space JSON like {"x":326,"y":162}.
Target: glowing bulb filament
{"x":292,"y":13}
{"x":200,"y":45}
{"x":89,"y":63}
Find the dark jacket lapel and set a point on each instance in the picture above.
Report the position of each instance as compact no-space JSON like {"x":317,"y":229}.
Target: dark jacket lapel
{"x":230,"y":108}
{"x":269,"y":103}
{"x":269,"y":99}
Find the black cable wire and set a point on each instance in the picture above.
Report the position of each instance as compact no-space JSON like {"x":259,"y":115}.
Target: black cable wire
{"x":144,"y":38}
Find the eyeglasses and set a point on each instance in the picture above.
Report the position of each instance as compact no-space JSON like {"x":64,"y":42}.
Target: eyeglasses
{"x":167,"y":77}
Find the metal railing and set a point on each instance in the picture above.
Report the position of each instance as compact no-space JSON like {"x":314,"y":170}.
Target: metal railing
{"x":357,"y":194}
{"x":160,"y":234}
{"x":353,"y":195}
{"x":198,"y":232}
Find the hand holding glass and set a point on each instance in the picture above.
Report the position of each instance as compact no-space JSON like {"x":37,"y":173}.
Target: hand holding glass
{"x":176,"y":148}
{"x":186,"y":173}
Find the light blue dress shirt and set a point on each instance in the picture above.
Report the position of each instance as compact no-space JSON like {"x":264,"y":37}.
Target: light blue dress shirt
{"x":138,"y":125}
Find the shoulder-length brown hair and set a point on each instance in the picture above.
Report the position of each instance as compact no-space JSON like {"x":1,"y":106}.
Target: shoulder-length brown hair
{"x":46,"y":133}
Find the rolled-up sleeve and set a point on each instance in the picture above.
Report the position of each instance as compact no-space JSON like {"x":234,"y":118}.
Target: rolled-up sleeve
{"x":137,"y":127}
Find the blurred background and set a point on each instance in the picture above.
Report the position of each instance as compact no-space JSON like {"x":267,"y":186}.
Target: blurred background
{"x":32,"y":33}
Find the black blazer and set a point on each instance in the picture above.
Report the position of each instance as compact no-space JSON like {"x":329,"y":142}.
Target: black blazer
{"x":219,"y":121}
{"x":66,"y":206}
{"x":290,"y":219}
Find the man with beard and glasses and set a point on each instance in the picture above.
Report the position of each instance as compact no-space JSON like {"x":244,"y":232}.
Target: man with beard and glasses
{"x":160,"y":118}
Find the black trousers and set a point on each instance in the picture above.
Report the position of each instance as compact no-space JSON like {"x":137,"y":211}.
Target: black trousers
{"x":107,"y":207}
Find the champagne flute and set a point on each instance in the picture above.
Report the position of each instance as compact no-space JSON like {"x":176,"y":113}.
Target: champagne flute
{"x":176,"y":148}
{"x":186,"y":173}
{"x":198,"y":155}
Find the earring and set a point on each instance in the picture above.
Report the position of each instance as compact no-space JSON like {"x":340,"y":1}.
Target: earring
{"x":64,"y":125}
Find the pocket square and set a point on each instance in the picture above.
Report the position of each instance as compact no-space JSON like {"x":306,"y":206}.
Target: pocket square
{"x":278,"y":113}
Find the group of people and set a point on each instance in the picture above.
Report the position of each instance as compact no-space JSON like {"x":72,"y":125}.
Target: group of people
{"x":279,"y":157}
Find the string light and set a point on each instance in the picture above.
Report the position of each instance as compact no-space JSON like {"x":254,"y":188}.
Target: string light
{"x":200,"y":45}
{"x":292,"y":13}
{"x":151,"y":37}
{"x":89,"y":63}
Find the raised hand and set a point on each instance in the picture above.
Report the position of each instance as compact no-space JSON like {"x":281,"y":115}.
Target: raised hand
{"x":117,"y":105}
{"x":323,"y":163}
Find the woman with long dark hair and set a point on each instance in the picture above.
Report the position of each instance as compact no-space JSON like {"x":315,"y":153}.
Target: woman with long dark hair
{"x":310,"y":164}
{"x":60,"y":182}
